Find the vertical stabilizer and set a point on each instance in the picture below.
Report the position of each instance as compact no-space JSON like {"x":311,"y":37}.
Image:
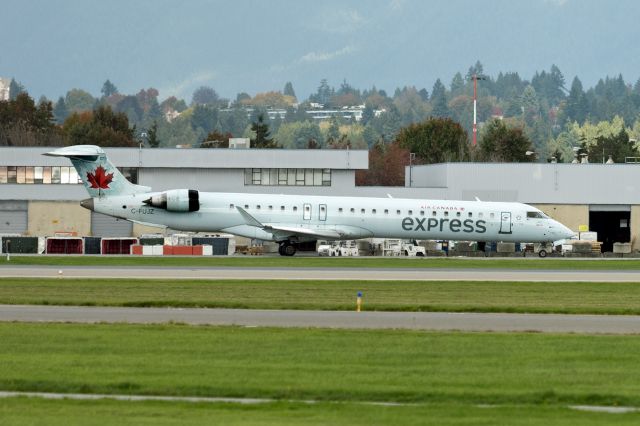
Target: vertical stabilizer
{"x":100,"y":177}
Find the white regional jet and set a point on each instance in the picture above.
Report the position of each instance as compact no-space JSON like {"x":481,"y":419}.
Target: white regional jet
{"x":292,"y":219}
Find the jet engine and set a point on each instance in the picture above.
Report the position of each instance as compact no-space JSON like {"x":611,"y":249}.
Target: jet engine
{"x":176,"y":200}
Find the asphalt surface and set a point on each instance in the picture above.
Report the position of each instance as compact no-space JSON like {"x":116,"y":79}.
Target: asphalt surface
{"x":420,"y":274}
{"x":440,"y":321}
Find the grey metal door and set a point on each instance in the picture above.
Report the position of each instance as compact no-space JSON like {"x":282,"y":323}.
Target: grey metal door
{"x":107,"y":226}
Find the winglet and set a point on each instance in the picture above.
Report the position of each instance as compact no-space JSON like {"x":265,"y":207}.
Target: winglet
{"x":249,"y":220}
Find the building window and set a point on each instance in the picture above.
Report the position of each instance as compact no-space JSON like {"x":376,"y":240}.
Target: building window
{"x":30,"y":175}
{"x":287,"y":177}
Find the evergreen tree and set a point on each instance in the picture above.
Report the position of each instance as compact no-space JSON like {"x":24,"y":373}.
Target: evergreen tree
{"x":576,"y":108}
{"x":367,"y":114}
{"x":333,"y":133}
{"x":261,"y":130}
{"x":108,"y":89}
{"x":15,"y":89}
{"x":439,"y":100}
{"x":152,"y":135}
{"x":288,"y":90}
{"x":457,"y":85}
{"x":60,"y":111}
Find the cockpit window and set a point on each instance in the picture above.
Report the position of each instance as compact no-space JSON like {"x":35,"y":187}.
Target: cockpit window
{"x":536,"y":215}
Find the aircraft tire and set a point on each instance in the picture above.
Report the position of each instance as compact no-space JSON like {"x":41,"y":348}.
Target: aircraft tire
{"x":289,"y":249}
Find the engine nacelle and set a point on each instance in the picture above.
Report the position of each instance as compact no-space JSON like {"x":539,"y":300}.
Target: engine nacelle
{"x":176,"y":200}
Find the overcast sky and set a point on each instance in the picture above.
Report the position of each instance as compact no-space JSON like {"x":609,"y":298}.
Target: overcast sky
{"x":257,"y":46}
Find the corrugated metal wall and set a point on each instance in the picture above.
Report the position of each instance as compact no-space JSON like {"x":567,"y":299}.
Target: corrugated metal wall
{"x":13,"y":217}
{"x":107,"y":226}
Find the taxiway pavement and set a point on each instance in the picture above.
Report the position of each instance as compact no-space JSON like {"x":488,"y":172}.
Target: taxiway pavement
{"x":389,"y":274}
{"x":440,"y":321}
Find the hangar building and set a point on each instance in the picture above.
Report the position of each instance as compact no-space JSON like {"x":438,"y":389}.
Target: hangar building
{"x":39,"y":195}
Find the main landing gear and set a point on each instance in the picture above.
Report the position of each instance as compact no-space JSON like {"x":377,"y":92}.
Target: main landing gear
{"x":287,"y":248}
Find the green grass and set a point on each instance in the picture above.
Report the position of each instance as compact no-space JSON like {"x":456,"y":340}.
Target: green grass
{"x":324,"y":262}
{"x":328,"y":365}
{"x":448,"y":296}
{"x":33,"y":412}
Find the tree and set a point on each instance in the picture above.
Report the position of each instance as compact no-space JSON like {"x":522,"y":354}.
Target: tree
{"x":288,"y":90}
{"x":386,"y":165}
{"x":15,"y":89}
{"x":617,"y":146}
{"x":60,"y":111}
{"x":439,"y":100}
{"x":576,"y":108}
{"x":333,"y":133}
{"x":205,"y":95}
{"x":108,"y":89}
{"x":436,"y":140}
{"x":262,"y":137}
{"x":102,"y":127}
{"x":152,"y":135}
{"x":216,"y":139}
{"x":500,"y":143}
{"x":204,"y":117}
{"x":78,"y":100}
{"x":457,"y":85}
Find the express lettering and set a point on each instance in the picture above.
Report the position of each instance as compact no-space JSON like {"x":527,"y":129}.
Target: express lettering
{"x":441,"y":225}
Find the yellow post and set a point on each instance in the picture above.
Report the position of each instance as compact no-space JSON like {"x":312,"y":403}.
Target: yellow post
{"x":359,"y":302}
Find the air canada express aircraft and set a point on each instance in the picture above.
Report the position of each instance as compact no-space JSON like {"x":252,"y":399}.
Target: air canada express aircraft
{"x":292,"y":219}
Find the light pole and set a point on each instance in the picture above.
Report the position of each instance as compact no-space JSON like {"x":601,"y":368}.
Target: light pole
{"x":475,"y":108}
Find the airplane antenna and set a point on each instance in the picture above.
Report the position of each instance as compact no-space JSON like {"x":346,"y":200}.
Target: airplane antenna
{"x":389,"y":195}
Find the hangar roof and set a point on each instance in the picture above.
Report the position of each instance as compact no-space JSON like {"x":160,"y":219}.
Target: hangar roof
{"x":553,"y":183}
{"x":221,"y":158}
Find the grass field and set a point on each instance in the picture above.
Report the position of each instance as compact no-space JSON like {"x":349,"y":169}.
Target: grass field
{"x":453,"y":296}
{"x":325,"y":262}
{"x":326,"y":365}
{"x":33,"y":412}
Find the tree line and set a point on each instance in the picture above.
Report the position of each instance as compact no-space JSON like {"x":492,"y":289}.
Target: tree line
{"x":540,"y":115}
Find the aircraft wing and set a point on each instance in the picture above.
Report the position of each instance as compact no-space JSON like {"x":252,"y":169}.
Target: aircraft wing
{"x":284,"y":231}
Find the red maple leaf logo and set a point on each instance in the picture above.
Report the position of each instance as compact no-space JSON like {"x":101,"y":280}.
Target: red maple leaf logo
{"x":99,"y":179}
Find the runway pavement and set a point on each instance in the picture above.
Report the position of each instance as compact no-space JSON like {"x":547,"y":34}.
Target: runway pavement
{"x":440,"y":321}
{"x":400,"y":274}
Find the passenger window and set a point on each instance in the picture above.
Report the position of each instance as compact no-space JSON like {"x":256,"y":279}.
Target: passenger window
{"x":457,"y":214}
{"x":270,"y":207}
{"x":362,"y":211}
{"x":470,"y":214}
{"x":398,"y":211}
{"x":340,"y":209}
{"x":373,"y":211}
{"x":410,"y":212}
{"x":281,"y":207}
{"x":421,"y":212}
{"x":386,"y":211}
{"x":491,"y":215}
{"x":246,"y":206}
{"x":231,"y":206}
{"x":446,"y":214}
{"x":433,"y":213}
{"x":295,"y":208}
{"x":258,"y":207}
{"x":353,"y":210}
{"x":480,"y":215}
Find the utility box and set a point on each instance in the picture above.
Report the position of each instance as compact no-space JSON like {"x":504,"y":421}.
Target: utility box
{"x":622,"y":248}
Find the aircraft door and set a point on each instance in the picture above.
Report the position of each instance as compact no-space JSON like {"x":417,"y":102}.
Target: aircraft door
{"x":306,"y":211}
{"x":505,"y":223}
{"x":322,"y":212}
